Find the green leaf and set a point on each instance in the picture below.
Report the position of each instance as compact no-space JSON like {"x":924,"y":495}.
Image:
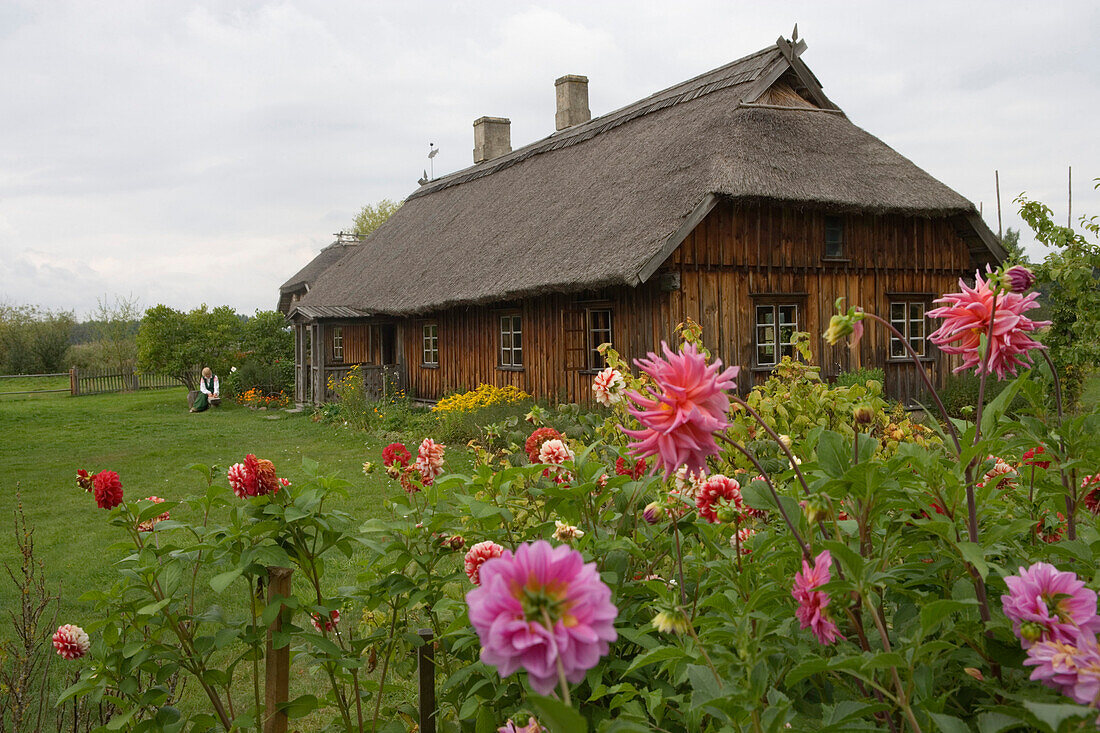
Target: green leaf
{"x":300,"y":707}
{"x":949,"y":723}
{"x":974,"y":555}
{"x":659,"y":654}
{"x":832,"y":453}
{"x":1055,"y":715}
{"x":221,"y":581}
{"x":932,"y":613}
{"x":705,"y":687}
{"x":556,"y":716}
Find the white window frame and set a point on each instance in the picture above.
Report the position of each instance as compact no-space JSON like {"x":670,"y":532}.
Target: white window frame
{"x":597,"y":334}
{"x":767,"y":334}
{"x":429,"y":351}
{"x":511,"y":340}
{"x":915,"y":329}
{"x":338,"y":343}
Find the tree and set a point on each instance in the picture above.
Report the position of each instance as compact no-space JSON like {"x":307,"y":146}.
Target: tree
{"x":1070,"y":281}
{"x":1011,"y":243}
{"x":372,"y":216}
{"x":33,"y":340}
{"x":113,"y":330}
{"x":179,"y":344}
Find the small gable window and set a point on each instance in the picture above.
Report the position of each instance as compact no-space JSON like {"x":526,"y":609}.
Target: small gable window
{"x":775,"y":327}
{"x":337,"y":343}
{"x":599,"y":332}
{"x":908,"y":318}
{"x":511,"y":341}
{"x":431,"y":345}
{"x":834,"y":238}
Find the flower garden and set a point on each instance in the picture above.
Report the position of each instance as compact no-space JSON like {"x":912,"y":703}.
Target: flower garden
{"x":805,"y":557}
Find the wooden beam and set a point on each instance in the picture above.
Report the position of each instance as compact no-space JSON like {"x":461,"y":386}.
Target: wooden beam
{"x":676,"y":238}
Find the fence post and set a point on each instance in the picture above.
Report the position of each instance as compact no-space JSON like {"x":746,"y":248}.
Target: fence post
{"x":277,"y":669}
{"x":425,"y":658}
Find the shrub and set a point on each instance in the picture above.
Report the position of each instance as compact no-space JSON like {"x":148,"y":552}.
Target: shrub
{"x":860,"y":377}
{"x":486,"y":395}
{"x":960,"y":394}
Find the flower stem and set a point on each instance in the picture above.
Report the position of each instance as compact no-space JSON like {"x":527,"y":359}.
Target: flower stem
{"x":924,"y":377}
{"x":1069,"y":486}
{"x":775,"y":436}
{"x":775,"y":495}
{"x":679,"y":560}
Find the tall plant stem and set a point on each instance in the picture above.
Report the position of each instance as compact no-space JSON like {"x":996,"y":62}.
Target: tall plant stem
{"x":775,"y":494}
{"x":902,"y":698}
{"x":924,"y":378}
{"x":775,"y":436}
{"x":385,"y":668}
{"x":679,"y":559}
{"x":1069,"y":486}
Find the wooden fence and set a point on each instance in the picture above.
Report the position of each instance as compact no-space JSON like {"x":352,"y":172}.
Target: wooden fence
{"x":86,"y":382}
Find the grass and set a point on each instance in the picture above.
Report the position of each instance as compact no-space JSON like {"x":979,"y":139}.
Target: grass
{"x":149,"y":438}
{"x":40,"y":385}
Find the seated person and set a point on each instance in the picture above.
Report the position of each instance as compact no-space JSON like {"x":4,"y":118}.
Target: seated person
{"x":209,"y":392}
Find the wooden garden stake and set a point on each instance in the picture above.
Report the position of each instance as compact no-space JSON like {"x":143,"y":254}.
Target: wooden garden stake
{"x":277,"y":673}
{"x":425,"y":657}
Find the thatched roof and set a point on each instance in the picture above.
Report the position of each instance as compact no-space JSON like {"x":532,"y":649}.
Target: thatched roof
{"x":303,"y":280}
{"x":603,"y":203}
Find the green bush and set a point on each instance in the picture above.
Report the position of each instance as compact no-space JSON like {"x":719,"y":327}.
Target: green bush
{"x":960,"y":394}
{"x":860,"y":377}
{"x":255,"y":372}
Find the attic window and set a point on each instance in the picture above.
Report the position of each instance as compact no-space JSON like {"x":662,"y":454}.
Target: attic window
{"x":834,"y":238}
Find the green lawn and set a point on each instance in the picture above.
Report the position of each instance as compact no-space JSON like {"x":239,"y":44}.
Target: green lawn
{"x":149,"y":438}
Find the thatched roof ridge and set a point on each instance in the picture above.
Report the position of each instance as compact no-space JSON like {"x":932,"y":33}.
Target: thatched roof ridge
{"x":602,"y":203}
{"x":304,"y":278}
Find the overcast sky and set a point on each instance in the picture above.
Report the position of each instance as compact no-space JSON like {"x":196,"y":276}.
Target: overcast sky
{"x":184,"y":152}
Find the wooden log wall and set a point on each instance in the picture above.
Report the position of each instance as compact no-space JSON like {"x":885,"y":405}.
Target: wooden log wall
{"x":739,"y":256}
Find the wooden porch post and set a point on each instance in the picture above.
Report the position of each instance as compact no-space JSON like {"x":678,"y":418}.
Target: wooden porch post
{"x":320,"y":383}
{"x":300,"y":374}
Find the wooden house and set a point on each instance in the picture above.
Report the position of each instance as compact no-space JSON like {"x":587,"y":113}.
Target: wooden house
{"x":743,"y":198}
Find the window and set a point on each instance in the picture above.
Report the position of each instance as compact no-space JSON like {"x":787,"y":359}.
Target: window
{"x":337,"y":343}
{"x":511,"y":341}
{"x":431,"y":345}
{"x":599,"y":332}
{"x":908,"y":318}
{"x":834,"y":238}
{"x":775,"y":326}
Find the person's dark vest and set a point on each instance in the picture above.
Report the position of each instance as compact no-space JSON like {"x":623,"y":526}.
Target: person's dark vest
{"x":209,"y":385}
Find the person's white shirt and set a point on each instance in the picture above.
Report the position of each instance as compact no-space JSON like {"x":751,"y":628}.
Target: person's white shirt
{"x":204,"y":390}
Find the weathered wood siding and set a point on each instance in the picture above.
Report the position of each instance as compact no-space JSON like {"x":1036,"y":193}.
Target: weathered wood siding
{"x":738,"y":256}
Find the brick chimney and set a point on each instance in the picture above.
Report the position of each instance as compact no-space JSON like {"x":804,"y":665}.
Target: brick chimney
{"x":572,"y":94}
{"x":492,"y":138}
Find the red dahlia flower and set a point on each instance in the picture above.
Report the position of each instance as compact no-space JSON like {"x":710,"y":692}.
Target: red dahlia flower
{"x":624,"y":469}
{"x":108,"y":489}
{"x":718,"y":491}
{"x":71,"y":642}
{"x":535,"y":441}
{"x":1033,"y":454}
{"x":395,"y":453}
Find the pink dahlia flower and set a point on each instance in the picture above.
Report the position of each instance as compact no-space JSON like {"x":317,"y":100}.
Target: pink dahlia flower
{"x":716,"y":492}
{"x":477,"y":555}
{"x":608,"y":387}
{"x":966,"y":318}
{"x":555,"y":452}
{"x":1046,"y":604}
{"x":679,"y":418}
{"x":238,"y":480}
{"x":147,"y":525}
{"x":813,"y":604}
{"x":322,"y":624}
{"x":108,"y":489}
{"x":531,"y":727}
{"x":535,"y":440}
{"x":71,"y":642}
{"x":1072,"y":666}
{"x":541,"y":607}
{"x":429,"y":460}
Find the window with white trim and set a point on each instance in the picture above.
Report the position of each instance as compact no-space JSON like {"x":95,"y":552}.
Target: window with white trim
{"x":430,"y":354}
{"x":776,"y":324}
{"x":511,"y":341}
{"x":907,"y":316}
{"x":599,"y":332}
{"x":337,"y":343}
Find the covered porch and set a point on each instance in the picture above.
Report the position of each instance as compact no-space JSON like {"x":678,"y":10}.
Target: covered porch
{"x":329,"y":341}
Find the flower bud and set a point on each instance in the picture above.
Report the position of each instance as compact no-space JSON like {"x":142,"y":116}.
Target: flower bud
{"x":653,"y":512}
{"x":368,"y":468}
{"x":1031,"y":631}
{"x":670,"y":622}
{"x":1019,"y":279}
{"x":863,"y":414}
{"x":727,"y":513}
{"x":815,"y":510}
{"x":975,"y":673}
